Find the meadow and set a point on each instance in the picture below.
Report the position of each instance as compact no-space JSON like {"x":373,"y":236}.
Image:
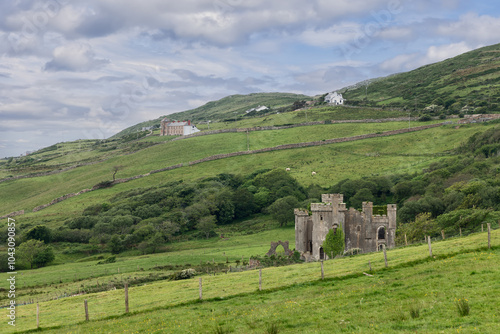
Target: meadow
{"x":415,"y":293}
{"x":25,"y":194}
{"x":377,"y":156}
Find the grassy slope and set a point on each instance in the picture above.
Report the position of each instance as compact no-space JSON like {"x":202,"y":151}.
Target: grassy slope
{"x":298,"y":301}
{"x":227,"y":107}
{"x":469,"y":78}
{"x":28,"y":193}
{"x":379,"y":156}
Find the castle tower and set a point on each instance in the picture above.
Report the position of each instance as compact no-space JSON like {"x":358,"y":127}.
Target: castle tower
{"x":391,"y":230}
{"x":322,"y":218}
{"x":301,"y":230}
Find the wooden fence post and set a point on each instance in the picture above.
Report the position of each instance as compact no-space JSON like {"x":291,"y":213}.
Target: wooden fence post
{"x":86,"y":310}
{"x":460,"y":231}
{"x":201,"y":289}
{"x":489,"y":236}
{"x":260,"y":279}
{"x":429,"y":243}
{"x":385,"y":257}
{"x":37,"y":315}
{"x":322,"y":271}
{"x":406,"y":241}
{"x":126,"y":297}
{"x":442,"y":234}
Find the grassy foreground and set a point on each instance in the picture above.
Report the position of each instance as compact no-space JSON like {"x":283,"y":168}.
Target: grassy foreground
{"x":416,"y":293}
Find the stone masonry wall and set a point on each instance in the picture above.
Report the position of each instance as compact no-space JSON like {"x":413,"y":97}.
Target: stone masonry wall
{"x":234,"y":154}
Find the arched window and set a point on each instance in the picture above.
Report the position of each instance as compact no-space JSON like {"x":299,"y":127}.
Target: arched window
{"x":381,"y":233}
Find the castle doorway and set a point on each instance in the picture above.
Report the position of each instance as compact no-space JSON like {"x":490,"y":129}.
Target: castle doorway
{"x":381,"y":233}
{"x":310,"y":248}
{"x":321,"y":253}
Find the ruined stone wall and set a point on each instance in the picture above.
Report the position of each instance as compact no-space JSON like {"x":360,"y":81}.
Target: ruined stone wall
{"x":269,"y":149}
{"x":13,"y":214}
{"x":281,"y":127}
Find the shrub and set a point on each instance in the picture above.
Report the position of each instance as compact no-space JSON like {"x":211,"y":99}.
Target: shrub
{"x":414,"y":311}
{"x":334,"y":242}
{"x":463,"y":307}
{"x":111,"y":259}
{"x":220,"y":330}
{"x":183,"y":274}
{"x":272,"y":328}
{"x":40,"y":232}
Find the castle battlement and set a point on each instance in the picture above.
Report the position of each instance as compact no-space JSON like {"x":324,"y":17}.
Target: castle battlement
{"x":332,"y":198}
{"x":299,"y":212}
{"x":362,"y":229}
{"x":321,"y":207}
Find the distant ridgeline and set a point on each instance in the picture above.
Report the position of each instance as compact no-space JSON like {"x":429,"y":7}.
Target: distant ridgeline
{"x":464,"y":84}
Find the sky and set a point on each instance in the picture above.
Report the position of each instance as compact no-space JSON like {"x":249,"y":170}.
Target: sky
{"x":88,"y":69}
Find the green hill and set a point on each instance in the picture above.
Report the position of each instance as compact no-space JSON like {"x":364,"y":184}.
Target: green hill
{"x":468,"y":83}
{"x":230,"y":107}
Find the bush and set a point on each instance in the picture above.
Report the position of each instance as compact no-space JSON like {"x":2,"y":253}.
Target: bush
{"x":463,"y":307}
{"x":183,"y":274}
{"x":40,"y":232}
{"x":334,"y":242}
{"x":111,"y":259}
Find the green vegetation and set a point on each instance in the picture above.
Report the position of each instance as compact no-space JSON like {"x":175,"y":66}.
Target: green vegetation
{"x":229,"y":108}
{"x":467,"y":83}
{"x":413,"y":284}
{"x":215,"y":218}
{"x":334,"y":243}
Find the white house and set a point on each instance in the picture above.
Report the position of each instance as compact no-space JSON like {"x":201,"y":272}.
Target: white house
{"x":334,"y":98}
{"x":259,"y":108}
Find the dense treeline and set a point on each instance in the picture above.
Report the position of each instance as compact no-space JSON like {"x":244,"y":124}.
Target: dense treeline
{"x":147,"y":218}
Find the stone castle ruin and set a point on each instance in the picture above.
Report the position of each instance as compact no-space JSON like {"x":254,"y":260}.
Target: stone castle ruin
{"x":362,"y":230}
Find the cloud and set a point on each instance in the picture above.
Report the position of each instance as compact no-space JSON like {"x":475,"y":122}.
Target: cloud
{"x":473,"y":28}
{"x":75,"y":57}
{"x":331,"y":36}
{"x":396,"y":33}
{"x":407,"y":62}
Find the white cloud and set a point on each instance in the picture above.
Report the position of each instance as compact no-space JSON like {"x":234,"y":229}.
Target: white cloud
{"x":473,"y":28}
{"x":407,"y":62}
{"x":332,"y":36}
{"x":76,"y":57}
{"x":442,"y":52}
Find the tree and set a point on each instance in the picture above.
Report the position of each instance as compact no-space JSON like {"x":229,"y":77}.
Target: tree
{"x":116,"y":169}
{"x":45,"y":256}
{"x":334,"y":243}
{"x":115,"y":244}
{"x":362,"y":195}
{"x":35,"y":252}
{"x":207,"y":225}
{"x":282,"y":209}
{"x":40,"y":232}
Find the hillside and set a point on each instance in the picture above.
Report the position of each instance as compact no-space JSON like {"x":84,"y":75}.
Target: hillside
{"x":468,"y":83}
{"x":230,"y":107}
{"x":415,"y":292}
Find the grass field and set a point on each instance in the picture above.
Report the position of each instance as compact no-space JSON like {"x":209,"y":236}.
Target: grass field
{"x":376,"y":156}
{"x":28,"y":193}
{"x":416,"y":293}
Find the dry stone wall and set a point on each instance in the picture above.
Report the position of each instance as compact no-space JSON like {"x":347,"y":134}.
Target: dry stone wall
{"x":13,"y":214}
{"x":234,"y":154}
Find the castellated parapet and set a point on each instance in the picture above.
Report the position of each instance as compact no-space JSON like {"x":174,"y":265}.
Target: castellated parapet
{"x":362,"y":230}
